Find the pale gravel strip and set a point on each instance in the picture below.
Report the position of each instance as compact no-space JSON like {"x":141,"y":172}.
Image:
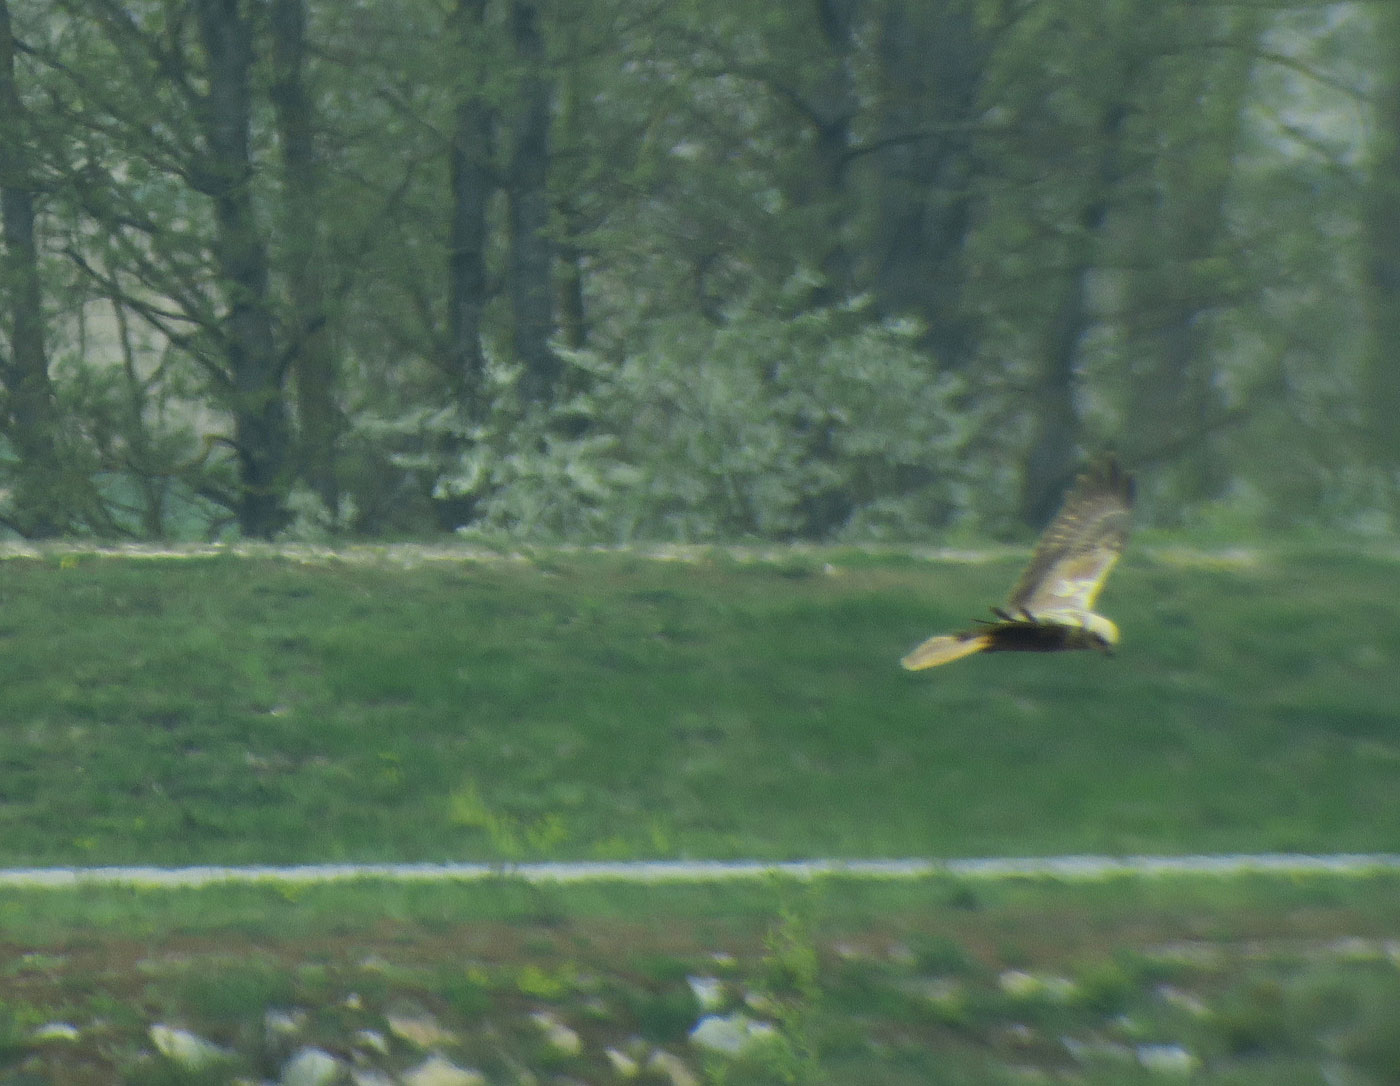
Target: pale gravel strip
{"x":1077,"y":868}
{"x":464,"y":552}
{"x":468,"y":552}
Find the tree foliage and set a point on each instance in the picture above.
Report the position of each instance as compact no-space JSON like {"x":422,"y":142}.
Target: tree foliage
{"x":692,"y":270}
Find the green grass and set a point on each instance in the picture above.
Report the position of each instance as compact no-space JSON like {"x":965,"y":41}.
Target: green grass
{"x":1253,"y":980}
{"x":262,"y":709}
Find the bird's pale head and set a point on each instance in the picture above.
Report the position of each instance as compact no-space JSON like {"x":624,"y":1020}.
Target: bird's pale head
{"x":1102,"y":632}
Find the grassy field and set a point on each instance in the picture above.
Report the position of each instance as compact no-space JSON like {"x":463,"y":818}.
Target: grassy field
{"x":600,"y":706}
{"x":402,"y":706}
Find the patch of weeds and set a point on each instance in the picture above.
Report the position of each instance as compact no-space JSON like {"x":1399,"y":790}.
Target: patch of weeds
{"x":1254,"y":1021}
{"x":509,"y":837}
{"x":795,"y":566}
{"x":547,"y":984}
{"x":792,"y":968}
{"x":467,"y":992}
{"x":868,"y":989}
{"x":660,"y":1000}
{"x":661,"y":968}
{"x":962,"y":895}
{"x":940,"y":954}
{"x":315,"y":982}
{"x":769,"y":1068}
{"x":1330,"y":1000}
{"x":232,"y":991}
{"x":1105,"y":987}
{"x":1039,"y":1002}
{"x":791,"y":962}
{"x":162,"y":1072}
{"x":15,"y":1024}
{"x":33,"y":962}
{"x":1374,"y":1043}
{"x":943,"y":1000}
{"x":109,"y":1008}
{"x":1355,"y":1007}
{"x":663,"y":1013}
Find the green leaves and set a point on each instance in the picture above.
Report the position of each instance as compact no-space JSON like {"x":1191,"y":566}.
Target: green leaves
{"x":816,"y":426}
{"x":1178,"y":205}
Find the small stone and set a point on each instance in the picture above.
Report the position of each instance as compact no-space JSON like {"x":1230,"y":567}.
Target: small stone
{"x":709,"y":992}
{"x":902,"y":954}
{"x":731,"y":1035}
{"x":419,"y":1029}
{"x":1021,"y":985}
{"x":57,"y":1031}
{"x":945,"y":993}
{"x":1018,"y":984}
{"x":280,"y":1023}
{"x":1097,"y":1051}
{"x":182,"y":1047}
{"x":311,"y":1067}
{"x":559,"y":1037}
{"x":1183,"y":1000}
{"x":436,"y":1071}
{"x":761,"y":1002}
{"x":1173,"y":1061}
{"x":623,"y":1064}
{"x":371,"y":1040}
{"x":671,"y":1067}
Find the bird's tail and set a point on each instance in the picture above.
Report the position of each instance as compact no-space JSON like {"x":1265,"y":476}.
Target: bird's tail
{"x":944,"y":649}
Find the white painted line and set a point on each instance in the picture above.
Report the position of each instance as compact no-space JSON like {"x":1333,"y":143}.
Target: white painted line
{"x":1078,"y":868}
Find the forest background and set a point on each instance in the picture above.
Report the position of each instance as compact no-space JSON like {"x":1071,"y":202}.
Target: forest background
{"x":694,"y":269}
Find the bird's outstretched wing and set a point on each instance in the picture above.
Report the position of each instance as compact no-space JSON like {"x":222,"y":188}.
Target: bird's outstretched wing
{"x":1073,"y":558}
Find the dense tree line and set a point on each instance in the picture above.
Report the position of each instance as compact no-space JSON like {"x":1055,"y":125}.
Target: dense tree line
{"x":694,"y":269}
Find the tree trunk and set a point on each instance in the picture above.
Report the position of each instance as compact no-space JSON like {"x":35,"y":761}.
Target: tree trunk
{"x":573,"y":307}
{"x":931,"y":62}
{"x":531,"y":260}
{"x":1050,"y":463}
{"x":29,"y":415}
{"x":261,"y":431}
{"x":1381,"y":377}
{"x":1173,"y":400}
{"x":471,"y":181}
{"x":312,"y":347}
{"x":834,"y":104}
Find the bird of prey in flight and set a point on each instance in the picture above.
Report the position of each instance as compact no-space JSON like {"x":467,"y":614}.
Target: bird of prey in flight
{"x":1051,"y":607}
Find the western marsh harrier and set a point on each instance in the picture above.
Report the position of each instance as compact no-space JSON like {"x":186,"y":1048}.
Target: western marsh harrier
{"x":1051,"y":607}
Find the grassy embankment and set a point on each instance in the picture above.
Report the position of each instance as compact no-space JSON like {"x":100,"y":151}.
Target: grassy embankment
{"x":606,"y":706}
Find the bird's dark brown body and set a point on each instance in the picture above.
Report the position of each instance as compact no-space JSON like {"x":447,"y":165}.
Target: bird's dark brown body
{"x":1027,"y":636}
